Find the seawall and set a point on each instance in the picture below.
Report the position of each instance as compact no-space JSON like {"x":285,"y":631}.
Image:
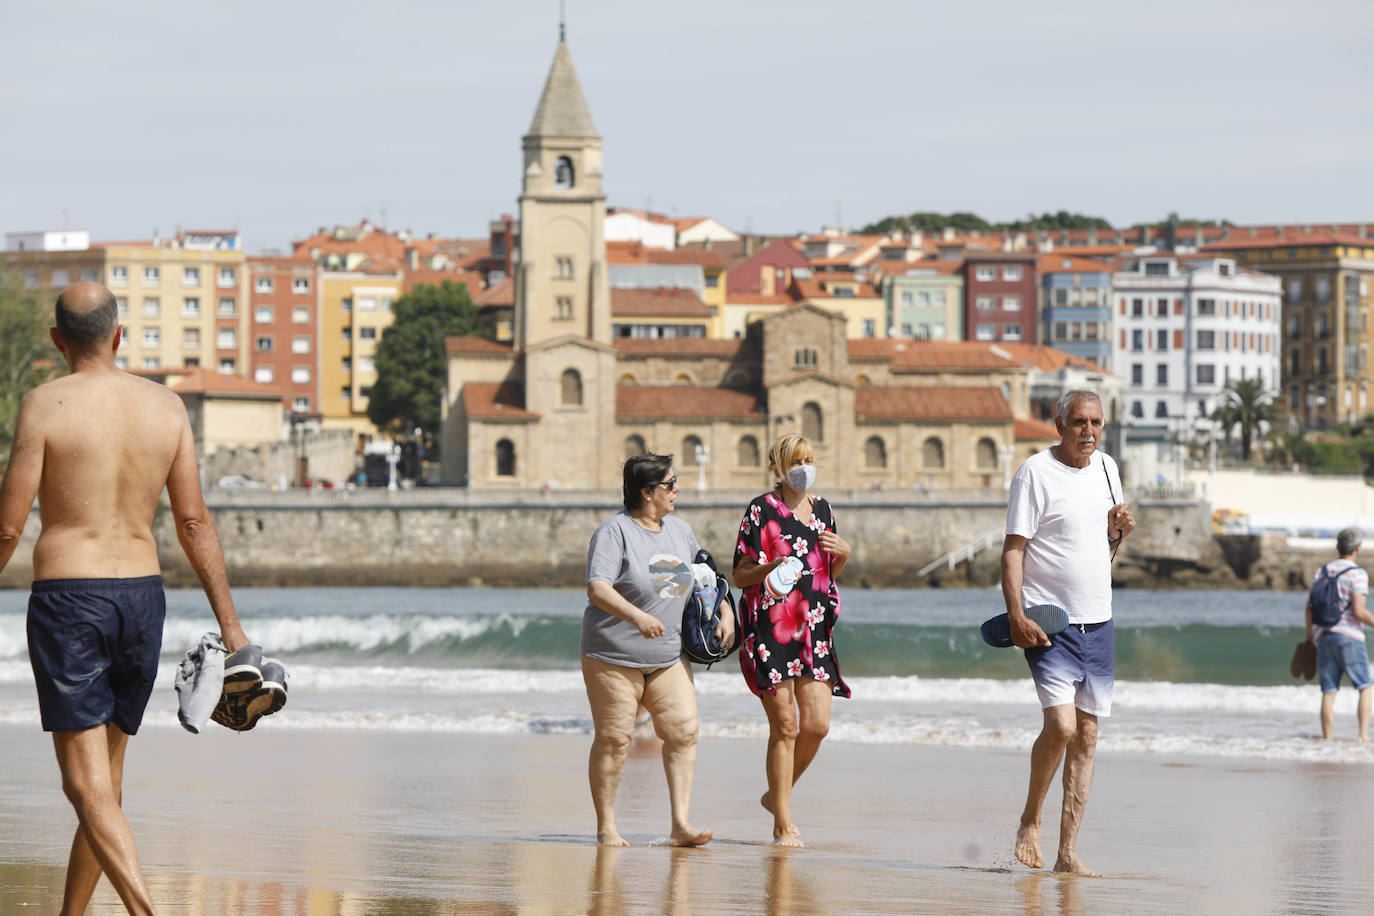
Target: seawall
{"x":451,"y":538}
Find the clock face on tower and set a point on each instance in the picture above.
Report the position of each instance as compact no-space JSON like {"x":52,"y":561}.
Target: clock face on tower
{"x":563,"y":173}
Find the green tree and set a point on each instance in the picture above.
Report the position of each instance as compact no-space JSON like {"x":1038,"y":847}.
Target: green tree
{"x":1251,"y":407}
{"x":412,"y":366}
{"x":27,"y":356}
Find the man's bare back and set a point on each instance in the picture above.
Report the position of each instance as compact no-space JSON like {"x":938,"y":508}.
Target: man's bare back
{"x":110,"y":442}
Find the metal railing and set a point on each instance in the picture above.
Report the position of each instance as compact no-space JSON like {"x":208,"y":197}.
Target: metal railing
{"x":967,"y":552}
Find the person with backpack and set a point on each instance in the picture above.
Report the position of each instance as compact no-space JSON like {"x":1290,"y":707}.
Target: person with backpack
{"x":1336,"y":613}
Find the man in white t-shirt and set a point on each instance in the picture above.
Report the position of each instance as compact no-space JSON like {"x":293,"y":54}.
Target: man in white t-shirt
{"x":1065,"y":519}
{"x":1341,"y":647}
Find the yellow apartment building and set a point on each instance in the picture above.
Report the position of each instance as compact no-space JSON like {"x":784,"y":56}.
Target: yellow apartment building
{"x":355,"y":308}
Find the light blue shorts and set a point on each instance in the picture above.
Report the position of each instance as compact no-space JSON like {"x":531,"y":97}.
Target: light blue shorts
{"x":1078,"y":667}
{"x":1337,"y":655}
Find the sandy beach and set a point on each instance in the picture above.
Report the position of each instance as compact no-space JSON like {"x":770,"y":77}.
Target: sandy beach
{"x":286,"y":821}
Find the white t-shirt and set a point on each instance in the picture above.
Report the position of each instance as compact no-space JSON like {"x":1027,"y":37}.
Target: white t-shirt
{"x":1062,"y":512}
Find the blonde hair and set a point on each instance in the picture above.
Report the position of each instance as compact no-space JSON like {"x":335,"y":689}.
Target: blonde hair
{"x":784,"y":452}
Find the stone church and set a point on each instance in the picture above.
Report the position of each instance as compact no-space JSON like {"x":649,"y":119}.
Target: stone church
{"x":565,"y":402}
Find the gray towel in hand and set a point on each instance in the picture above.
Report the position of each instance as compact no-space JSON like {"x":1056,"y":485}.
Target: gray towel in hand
{"x":200,"y":681}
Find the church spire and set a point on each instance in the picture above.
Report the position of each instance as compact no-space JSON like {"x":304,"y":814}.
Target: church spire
{"x":562,"y":110}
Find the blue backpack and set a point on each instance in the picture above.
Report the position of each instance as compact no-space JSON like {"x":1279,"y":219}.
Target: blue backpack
{"x":1326,"y":598}
{"x":703,"y":612}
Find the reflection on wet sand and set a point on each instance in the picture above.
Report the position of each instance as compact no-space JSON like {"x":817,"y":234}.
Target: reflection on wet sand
{"x":606,"y":896}
{"x":1063,"y":889}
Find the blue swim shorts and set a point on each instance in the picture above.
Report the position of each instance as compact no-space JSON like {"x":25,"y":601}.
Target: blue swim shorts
{"x":1078,"y":667}
{"x":94,"y":646}
{"x":1338,"y":654}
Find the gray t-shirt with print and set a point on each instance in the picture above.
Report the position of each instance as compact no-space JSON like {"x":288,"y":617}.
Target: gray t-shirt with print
{"x":621,"y":553}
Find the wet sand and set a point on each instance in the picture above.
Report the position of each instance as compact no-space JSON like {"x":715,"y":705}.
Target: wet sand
{"x":279,"y":821}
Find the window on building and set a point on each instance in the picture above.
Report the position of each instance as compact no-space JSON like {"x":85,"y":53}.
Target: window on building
{"x":152,"y":276}
{"x":122,"y":305}
{"x":1206,"y":306}
{"x":1295,"y":326}
{"x":1295,"y":362}
{"x":264,"y":374}
{"x":300,"y":405}
{"x":505,"y":458}
{"x":300,"y":344}
{"x":1161,"y":339}
{"x":1206,"y":340}
{"x":190,"y":338}
{"x":190,"y":276}
{"x":1161,"y":410}
{"x":1138,"y":410}
{"x":909,"y":331}
{"x":985,"y":274}
{"x":1294,"y":397}
{"x":563,"y":174}
{"x":875,"y":453}
{"x":1137,"y":340}
{"x":228,"y":277}
{"x":300,"y":314}
{"x":804,"y":358}
{"x":152,"y":307}
{"x":190,"y":308}
{"x":121,"y":362}
{"x":151,"y":337}
{"x":747,"y":452}
{"x":986,"y":454}
{"x":300,"y":375}
{"x":1138,"y":307}
{"x":985,"y":332}
{"x":263,"y":285}
{"x":1162,"y":308}
{"x":571,"y":388}
{"x":227,"y":365}
{"x":563,"y":268}
{"x":563,"y":308}
{"x":1011,"y":303}
{"x":1137,"y":374}
{"x":1061,"y":331}
{"x":90,"y":274}
{"x":907,"y":298}
{"x":1323,"y":329}
{"x":1162,"y":374}
{"x":365,"y":364}
{"x":59,"y":277}
{"x":634,"y":445}
{"x":119,"y":275}
{"x":1011,"y":332}
{"x":300,"y":285}
{"x":262,"y":344}
{"x":1295,"y":289}
{"x":263,"y":314}
{"x":1012,"y":272}
{"x":226,"y":339}
{"x":1156,"y":268}
{"x":346,"y":364}
{"x":1206,"y":374}
{"x":1321,"y":361}
{"x":385,"y":303}
{"x":227,"y":307}
{"x":151,"y":362}
{"x":932,"y":453}
{"x":367,"y":333}
{"x":870,"y":327}
{"x":1321,"y":289}
{"x":983,"y":303}
{"x":367,"y":303}
{"x":1061,"y":296}
{"x":813,"y":426}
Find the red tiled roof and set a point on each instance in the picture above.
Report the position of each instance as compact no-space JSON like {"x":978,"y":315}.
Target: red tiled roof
{"x":639,"y":253}
{"x":943,"y":402}
{"x":262,"y":260}
{"x":1047,"y":359}
{"x":1239,"y":239}
{"x":503,"y":293}
{"x":471,"y":279}
{"x":496,"y":401}
{"x":199,"y":380}
{"x":684,"y":402}
{"x":1033,"y":429}
{"x":675,"y":346}
{"x":757,"y":299}
{"x":662,"y":302}
{"x":475,"y":346}
{"x":943,"y":267}
{"x":1057,"y":263}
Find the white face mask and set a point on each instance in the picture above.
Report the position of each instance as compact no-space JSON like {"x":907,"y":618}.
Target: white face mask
{"x":801,"y":477}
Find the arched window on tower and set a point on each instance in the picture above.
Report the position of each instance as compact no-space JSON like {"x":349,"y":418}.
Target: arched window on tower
{"x":688,"y":458}
{"x":572,"y":388}
{"x":813,"y":426}
{"x":563,"y":173}
{"x":505,"y":458}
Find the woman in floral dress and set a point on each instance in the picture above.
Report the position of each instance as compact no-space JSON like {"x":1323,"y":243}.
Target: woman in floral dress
{"x":787,"y":651}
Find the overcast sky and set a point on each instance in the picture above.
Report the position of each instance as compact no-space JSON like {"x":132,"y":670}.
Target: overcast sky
{"x":278,"y":117}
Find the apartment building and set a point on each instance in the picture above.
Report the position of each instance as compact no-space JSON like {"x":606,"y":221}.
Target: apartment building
{"x":924,"y":299}
{"x":1076,"y":306}
{"x":1327,"y":305}
{"x":999,"y":295}
{"x":354,"y":310}
{"x":284,"y":301}
{"x":1186,"y":325}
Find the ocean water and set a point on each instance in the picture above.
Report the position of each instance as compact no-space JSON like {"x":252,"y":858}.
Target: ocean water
{"x":1199,"y":672}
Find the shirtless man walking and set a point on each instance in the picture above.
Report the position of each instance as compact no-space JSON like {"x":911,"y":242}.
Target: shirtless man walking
{"x":1065,"y":519}
{"x":97,"y":447}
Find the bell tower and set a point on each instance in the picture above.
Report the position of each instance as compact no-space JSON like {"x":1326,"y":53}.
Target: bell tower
{"x":561,"y":287}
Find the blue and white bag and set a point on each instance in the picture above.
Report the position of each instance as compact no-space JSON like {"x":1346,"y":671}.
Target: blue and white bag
{"x":709,"y":600}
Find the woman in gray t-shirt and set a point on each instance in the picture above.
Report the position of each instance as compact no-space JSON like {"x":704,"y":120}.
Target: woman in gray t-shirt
{"x":637,"y":583}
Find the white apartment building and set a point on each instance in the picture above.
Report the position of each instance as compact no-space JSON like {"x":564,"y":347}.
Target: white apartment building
{"x":1186,"y":325}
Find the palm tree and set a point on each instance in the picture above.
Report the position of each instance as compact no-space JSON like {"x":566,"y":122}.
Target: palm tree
{"x":1251,"y":406}
{"x":1226,"y":417}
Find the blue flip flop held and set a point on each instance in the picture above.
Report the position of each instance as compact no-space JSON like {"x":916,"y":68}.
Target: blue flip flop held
{"x":1051,"y":618}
